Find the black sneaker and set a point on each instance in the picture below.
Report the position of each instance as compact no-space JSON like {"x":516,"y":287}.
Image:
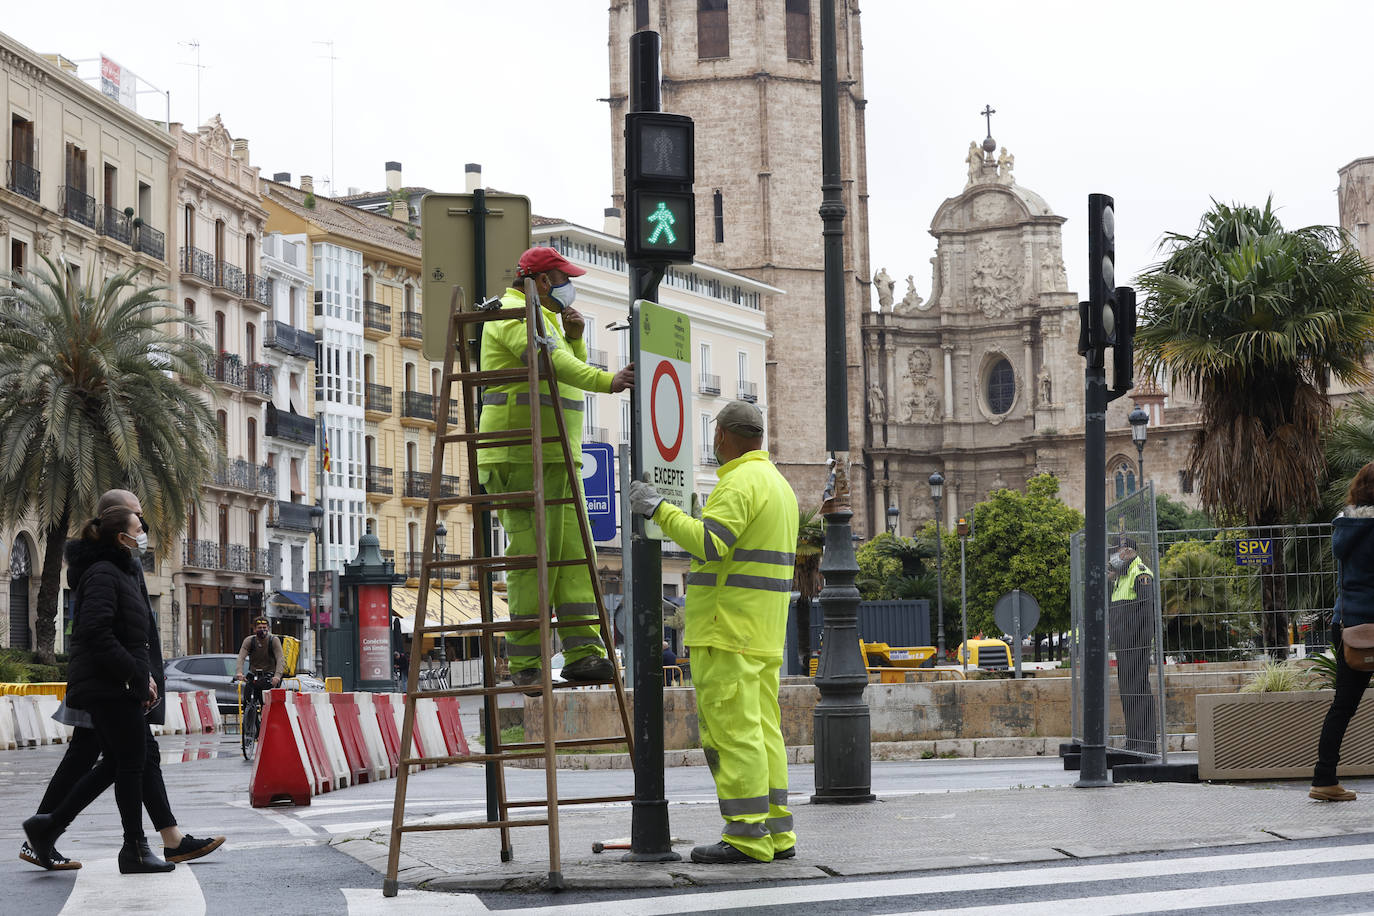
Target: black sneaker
{"x":192,"y":847}
{"x":591,"y":668}
{"x":55,"y":862}
{"x":789,"y":853}
{"x":722,"y":853}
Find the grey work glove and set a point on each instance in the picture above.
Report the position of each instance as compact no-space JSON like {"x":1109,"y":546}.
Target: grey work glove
{"x":644,"y":499}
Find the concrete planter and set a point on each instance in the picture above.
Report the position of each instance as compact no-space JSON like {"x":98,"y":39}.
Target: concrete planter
{"x":1274,"y":735}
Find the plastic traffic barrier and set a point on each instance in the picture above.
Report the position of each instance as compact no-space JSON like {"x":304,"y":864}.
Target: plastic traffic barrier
{"x":333,"y":741}
{"x":7,"y":742}
{"x":382,"y":764}
{"x":175,"y":717}
{"x":347,"y":721}
{"x":54,"y":732}
{"x":215,"y":716}
{"x":28,"y":730}
{"x":452,"y":726}
{"x":282,"y":770}
{"x":327,"y":777}
{"x":429,"y":736}
{"x":391,"y":731}
{"x":202,"y":701}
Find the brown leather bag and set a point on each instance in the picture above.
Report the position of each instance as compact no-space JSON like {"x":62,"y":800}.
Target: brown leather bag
{"x":1358,"y":645}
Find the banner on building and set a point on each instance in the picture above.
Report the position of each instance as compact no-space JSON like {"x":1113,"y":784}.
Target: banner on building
{"x":118,"y":83}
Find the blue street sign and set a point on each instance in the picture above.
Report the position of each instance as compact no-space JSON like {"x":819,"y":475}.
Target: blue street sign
{"x":598,"y":487}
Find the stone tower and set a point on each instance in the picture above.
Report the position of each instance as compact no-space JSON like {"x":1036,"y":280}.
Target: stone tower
{"x":748,"y":73}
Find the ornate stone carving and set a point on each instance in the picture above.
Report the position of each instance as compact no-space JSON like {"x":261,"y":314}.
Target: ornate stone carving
{"x":930,"y":405}
{"x":4,"y":225}
{"x":883,"y":283}
{"x":935,"y":281}
{"x":993,"y":282}
{"x":975,"y":162}
{"x":1053,"y":277}
{"x":912,"y":301}
{"x":43,"y":244}
{"x":877,"y":404}
{"x":918,"y":365}
{"x":990,"y":208}
{"x":1005,"y":163}
{"x":1043,"y":388}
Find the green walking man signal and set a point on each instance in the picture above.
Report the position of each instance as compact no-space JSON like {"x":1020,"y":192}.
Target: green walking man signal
{"x":664,"y":217}
{"x":660,"y":209}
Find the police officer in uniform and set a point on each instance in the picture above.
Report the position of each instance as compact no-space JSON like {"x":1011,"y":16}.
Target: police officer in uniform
{"x":1130,"y":622}
{"x":511,"y":468}
{"x":743,"y":550}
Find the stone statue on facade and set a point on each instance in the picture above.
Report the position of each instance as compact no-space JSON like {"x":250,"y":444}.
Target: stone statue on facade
{"x":1044,"y":388}
{"x":1005,"y":163}
{"x":877,"y":403}
{"x":975,"y":162}
{"x":884,"y":284}
{"x":912,"y":301}
{"x":931,"y":407}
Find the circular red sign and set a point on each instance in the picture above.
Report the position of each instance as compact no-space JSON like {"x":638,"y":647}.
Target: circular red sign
{"x":669,"y":452}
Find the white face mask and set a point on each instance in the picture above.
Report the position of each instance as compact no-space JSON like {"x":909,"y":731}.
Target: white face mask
{"x":564,"y":295}
{"x":140,"y":545}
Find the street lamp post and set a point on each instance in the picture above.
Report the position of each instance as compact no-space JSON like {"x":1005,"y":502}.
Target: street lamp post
{"x":892,"y":514}
{"x":1139,"y":420}
{"x":937,"y":490}
{"x":317,"y":525}
{"x":440,"y":539}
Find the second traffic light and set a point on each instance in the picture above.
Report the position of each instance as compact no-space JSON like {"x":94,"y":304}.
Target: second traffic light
{"x":660,"y":209}
{"x":1102,"y":304}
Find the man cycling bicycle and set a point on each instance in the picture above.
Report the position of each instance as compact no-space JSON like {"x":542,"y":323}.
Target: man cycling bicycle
{"x":265,"y":658}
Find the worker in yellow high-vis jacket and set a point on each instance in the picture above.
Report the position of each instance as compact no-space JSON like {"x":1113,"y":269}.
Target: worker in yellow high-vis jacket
{"x":511,"y":469}
{"x":743,"y":550}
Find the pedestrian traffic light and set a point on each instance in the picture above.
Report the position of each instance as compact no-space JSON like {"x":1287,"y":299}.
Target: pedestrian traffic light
{"x":1102,"y":305}
{"x":660,"y":209}
{"x":1123,"y":349}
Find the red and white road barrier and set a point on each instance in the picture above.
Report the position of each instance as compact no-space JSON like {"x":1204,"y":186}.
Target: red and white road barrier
{"x":312,"y":743}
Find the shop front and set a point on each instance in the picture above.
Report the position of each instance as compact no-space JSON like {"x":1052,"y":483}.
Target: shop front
{"x":219,"y":618}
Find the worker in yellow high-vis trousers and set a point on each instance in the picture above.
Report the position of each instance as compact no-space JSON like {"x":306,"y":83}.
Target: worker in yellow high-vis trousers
{"x":743,"y":550}
{"x":510,"y":468}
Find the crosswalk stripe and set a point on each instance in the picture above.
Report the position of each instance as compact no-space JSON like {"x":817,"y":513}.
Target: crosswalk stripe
{"x":739,"y":899}
{"x":100,"y":888}
{"x":370,"y":902}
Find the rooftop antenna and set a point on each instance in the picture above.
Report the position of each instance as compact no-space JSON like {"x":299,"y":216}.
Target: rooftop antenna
{"x":330,"y":45}
{"x":194,"y":45}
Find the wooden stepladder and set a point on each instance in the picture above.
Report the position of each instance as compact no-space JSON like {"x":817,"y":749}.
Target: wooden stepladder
{"x":460,"y":369}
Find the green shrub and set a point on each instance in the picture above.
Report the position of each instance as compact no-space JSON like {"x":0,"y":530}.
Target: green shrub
{"x":1278,"y":677}
{"x":12,"y":670}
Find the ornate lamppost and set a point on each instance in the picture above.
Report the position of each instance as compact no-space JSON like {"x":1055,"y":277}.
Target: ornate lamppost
{"x":1139,"y":420}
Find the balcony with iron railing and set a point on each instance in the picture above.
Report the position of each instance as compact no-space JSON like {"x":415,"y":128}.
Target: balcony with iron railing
{"x":289,"y":516}
{"x":290,"y":339}
{"x":417,"y":405}
{"x":229,"y":277}
{"x":114,"y":224}
{"x":257,"y":291}
{"x":595,"y":434}
{"x":227,"y":369}
{"x":377,"y":319}
{"x":198,"y":265}
{"x":258,"y":381}
{"x":22,"y":178}
{"x":748,"y":391}
{"x":708,"y":458}
{"x":708,"y":384}
{"x":77,"y":205}
{"x":597,"y":358}
{"x":239,"y":474}
{"x":379,"y":480}
{"x":150,"y":241}
{"x":415,"y":564}
{"x":377,"y":398}
{"x":417,"y":485}
{"x":227,"y":558}
{"x":412,"y":327}
{"x":292,"y":427}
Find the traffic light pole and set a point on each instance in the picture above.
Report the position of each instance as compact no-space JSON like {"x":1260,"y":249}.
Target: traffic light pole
{"x":1093,"y":762}
{"x":650,"y":839}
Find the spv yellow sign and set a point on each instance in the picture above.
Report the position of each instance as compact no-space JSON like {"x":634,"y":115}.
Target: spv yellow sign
{"x":1255,"y":552}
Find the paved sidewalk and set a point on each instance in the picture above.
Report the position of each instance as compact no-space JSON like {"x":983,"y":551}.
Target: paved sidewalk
{"x":898,"y":833}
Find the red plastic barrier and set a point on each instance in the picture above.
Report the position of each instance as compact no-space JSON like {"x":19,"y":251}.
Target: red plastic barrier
{"x":386,"y":720}
{"x":351,"y":736}
{"x":207,"y":718}
{"x":314,"y":742}
{"x":190,"y":713}
{"x":452,"y":726}
{"x":281,"y":768}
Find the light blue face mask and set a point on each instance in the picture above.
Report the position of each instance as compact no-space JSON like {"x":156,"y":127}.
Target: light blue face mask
{"x":564,"y":295}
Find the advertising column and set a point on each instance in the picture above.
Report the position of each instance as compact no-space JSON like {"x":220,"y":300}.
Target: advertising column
{"x":374,"y":632}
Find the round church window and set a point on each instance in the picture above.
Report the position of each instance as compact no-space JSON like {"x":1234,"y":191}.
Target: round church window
{"x":1001,"y":387}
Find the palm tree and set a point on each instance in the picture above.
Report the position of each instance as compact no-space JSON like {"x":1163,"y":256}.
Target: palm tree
{"x":100,"y":388}
{"x":1256,"y":320}
{"x":806,"y":578}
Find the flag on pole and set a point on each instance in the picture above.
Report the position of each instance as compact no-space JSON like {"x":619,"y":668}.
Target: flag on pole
{"x":324,"y":458}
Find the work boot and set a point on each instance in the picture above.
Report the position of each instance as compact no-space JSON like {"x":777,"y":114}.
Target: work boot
{"x":138,"y":859}
{"x":591,"y":668}
{"x":789,"y":853}
{"x":54,"y":862}
{"x":1335,"y":792}
{"x":192,"y":847}
{"x":722,"y":853}
{"x":529,"y":677}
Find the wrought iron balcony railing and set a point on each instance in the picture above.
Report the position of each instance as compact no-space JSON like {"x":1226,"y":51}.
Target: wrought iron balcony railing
{"x":150,"y":241}
{"x":417,"y":485}
{"x":227,"y":369}
{"x":594,"y":434}
{"x":199,"y":264}
{"x":286,"y":425}
{"x":230,"y":277}
{"x":377,"y":397}
{"x":597,"y":358}
{"x":290,"y":339}
{"x":708,"y":383}
{"x":708,"y":458}
{"x":376,"y":316}
{"x":114,"y":224}
{"x":22,"y":178}
{"x":415,"y":562}
{"x":259,"y":379}
{"x":412,"y":325}
{"x":748,"y":391}
{"x":258,"y":289}
{"x":418,"y":405}
{"x":78,"y":205}
{"x":244,"y":475}
{"x":290,"y":516}
{"x":379,"y":479}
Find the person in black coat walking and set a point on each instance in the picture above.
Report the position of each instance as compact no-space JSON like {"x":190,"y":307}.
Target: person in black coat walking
{"x":1352,"y":543}
{"x":67,"y":788}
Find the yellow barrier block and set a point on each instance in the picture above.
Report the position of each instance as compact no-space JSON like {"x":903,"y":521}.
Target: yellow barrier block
{"x":45,"y":688}
{"x":333,"y":685}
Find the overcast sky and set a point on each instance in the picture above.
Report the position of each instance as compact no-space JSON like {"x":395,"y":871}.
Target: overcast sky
{"x":1163,"y":104}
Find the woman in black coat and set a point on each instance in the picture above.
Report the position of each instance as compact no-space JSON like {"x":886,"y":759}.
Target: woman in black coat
{"x":108,"y":673}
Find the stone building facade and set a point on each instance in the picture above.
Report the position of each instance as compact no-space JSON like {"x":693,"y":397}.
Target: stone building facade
{"x":983,"y":381}
{"x":749,"y":75}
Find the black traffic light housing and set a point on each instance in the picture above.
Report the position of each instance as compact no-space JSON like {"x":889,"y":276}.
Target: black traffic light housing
{"x":660,"y":209}
{"x":1123,"y":348}
{"x":1102,"y":302}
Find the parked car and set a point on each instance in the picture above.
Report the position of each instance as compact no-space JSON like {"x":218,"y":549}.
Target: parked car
{"x":216,"y":672}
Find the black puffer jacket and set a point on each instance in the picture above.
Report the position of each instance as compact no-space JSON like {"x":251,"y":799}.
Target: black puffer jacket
{"x":109,"y":649}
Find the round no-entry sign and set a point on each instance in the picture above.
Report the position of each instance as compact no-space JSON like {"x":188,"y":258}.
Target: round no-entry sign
{"x":665,"y":393}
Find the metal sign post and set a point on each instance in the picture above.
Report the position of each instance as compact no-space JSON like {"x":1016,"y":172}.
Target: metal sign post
{"x":1017,"y":613}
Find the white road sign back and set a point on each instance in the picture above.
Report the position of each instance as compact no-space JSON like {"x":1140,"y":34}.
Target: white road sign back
{"x":663,"y":384}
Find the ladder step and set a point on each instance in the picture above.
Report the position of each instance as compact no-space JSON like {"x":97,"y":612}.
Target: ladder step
{"x":467,"y":317}
{"x":513,"y":625}
{"x":503,"y":688}
{"x":472,"y":825}
{"x":566,"y":742}
{"x":496,"y":437}
{"x":595,"y":800}
{"x":493,"y":376}
{"x":471,"y":758}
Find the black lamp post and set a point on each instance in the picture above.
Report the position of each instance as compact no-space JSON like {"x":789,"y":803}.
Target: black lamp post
{"x":440,"y":539}
{"x":937,"y":490}
{"x":1139,"y":420}
{"x":892,"y":514}
{"x":317,"y":525}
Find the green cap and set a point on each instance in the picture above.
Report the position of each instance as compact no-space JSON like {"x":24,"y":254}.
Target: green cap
{"x":741,"y":417}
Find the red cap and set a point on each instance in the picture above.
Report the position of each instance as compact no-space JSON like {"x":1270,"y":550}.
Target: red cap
{"x":542,"y":258}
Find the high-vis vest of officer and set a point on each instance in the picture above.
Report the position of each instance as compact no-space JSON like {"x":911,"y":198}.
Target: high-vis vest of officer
{"x":504,"y":346}
{"x":1124,"y":587}
{"x":743,"y":551}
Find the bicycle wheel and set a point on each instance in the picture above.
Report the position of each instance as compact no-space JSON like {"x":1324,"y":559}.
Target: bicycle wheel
{"x":249,"y":730}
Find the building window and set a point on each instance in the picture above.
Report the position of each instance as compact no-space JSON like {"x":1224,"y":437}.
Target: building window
{"x":1001,"y":387}
{"x":1125,"y":480}
{"x":19,"y":257}
{"x":1185,"y":481}
{"x":718,"y":211}
{"x":641,"y":14}
{"x":713,"y":29}
{"x":799,"y":29}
